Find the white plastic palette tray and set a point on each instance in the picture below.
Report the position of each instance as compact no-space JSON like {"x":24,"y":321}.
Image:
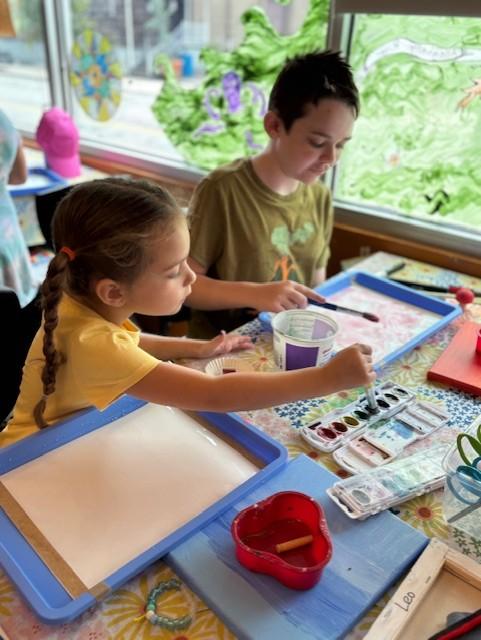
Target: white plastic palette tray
{"x":91,"y":502}
{"x":378,"y":489}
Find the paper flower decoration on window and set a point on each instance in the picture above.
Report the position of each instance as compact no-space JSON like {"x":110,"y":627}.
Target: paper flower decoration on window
{"x":96,"y":75}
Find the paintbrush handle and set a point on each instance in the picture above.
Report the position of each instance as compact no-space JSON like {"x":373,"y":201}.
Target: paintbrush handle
{"x":335,"y":307}
{"x":433,"y":287}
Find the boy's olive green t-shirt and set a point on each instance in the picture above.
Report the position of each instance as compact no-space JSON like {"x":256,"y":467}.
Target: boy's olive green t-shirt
{"x":241,"y":230}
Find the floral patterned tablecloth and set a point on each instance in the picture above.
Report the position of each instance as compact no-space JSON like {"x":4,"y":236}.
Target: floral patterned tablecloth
{"x":120,"y":616}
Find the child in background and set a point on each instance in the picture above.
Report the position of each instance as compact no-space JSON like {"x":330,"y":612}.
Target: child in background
{"x":123,"y":250}
{"x":15,"y":267}
{"x":261,"y":226}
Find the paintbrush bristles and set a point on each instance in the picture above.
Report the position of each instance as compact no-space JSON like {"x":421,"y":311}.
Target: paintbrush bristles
{"x":370,"y":316}
{"x":371,"y":398}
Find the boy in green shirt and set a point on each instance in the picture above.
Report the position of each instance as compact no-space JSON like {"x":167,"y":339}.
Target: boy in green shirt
{"x":261,"y":226}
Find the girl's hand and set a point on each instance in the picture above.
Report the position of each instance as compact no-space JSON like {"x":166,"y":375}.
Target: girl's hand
{"x":352,"y":367}
{"x":224,"y":343}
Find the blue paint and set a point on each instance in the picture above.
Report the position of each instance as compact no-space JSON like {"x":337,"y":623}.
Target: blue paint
{"x":368,"y":558}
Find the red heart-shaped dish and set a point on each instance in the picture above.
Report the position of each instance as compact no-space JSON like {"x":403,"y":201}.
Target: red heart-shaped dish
{"x":287,"y":516}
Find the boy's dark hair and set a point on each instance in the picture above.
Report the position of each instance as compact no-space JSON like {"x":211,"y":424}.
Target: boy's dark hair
{"x":106,"y":228}
{"x":308,"y":78}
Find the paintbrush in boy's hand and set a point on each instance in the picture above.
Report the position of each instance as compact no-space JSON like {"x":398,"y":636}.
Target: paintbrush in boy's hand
{"x":335,"y":307}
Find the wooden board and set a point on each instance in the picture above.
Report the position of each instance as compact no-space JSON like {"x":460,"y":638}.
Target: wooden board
{"x":460,"y":365}
{"x":257,"y":607}
{"x":441,"y":582}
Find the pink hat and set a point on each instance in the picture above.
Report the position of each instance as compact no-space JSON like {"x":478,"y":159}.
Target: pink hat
{"x":59,"y":139}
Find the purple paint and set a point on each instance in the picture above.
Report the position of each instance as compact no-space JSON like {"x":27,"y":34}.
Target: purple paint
{"x":231,"y":84}
{"x":321,"y":330}
{"x":300,"y":357}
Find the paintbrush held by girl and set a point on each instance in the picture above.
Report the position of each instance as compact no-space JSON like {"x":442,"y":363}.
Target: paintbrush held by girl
{"x":122,"y":249}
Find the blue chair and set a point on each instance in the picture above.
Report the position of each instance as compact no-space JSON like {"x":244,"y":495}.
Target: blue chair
{"x":45,"y":204}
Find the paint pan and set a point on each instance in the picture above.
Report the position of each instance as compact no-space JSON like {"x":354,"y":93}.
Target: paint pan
{"x":339,"y":427}
{"x":326,"y":433}
{"x":333,"y":431}
{"x":350,"y":421}
{"x":391,"y":397}
{"x":361,"y":415}
{"x":302,"y":338}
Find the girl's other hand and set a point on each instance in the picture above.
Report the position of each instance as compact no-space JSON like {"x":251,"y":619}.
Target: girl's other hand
{"x":224,"y":343}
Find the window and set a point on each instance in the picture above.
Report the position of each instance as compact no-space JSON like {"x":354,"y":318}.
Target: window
{"x":416,"y":145}
{"x":188,"y":82}
{"x":185,"y":87}
{"x":25,"y":89}
{"x":411,"y":169}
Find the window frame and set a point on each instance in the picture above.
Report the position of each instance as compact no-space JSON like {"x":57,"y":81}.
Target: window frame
{"x":341,"y":23}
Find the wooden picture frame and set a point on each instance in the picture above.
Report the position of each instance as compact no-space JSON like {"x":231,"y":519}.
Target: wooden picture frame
{"x":423,"y":598}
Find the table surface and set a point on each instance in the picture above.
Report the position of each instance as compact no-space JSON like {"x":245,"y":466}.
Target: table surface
{"x":121,"y":615}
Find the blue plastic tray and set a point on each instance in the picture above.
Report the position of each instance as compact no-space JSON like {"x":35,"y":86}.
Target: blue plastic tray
{"x":40,"y":588}
{"x":446,"y":312}
{"x":39,"y":179}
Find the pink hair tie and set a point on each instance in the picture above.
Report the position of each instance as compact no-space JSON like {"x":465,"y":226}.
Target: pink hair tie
{"x":68,"y":252}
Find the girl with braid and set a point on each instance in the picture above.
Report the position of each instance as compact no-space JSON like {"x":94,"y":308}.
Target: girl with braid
{"x":122,"y":249}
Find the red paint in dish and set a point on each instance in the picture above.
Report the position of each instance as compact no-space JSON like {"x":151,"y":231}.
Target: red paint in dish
{"x":283,"y":516}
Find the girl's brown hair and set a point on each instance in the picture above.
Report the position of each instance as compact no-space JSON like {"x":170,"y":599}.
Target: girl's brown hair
{"x":107,"y":226}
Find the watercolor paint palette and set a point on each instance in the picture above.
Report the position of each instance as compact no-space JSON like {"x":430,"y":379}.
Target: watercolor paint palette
{"x":380,"y":443}
{"x":339,"y":426}
{"x":377,"y":489}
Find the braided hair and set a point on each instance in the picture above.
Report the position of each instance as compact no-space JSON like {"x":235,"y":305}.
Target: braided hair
{"x":101,"y":229}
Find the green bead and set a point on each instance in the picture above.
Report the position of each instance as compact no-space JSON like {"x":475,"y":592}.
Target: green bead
{"x":171,"y":624}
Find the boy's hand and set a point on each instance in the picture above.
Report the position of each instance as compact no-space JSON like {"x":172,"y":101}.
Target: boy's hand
{"x":224,"y":343}
{"x":279,"y":296}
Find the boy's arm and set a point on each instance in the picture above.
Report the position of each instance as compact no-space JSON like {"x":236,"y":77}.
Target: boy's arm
{"x":211,"y":293}
{"x":327,"y":223}
{"x":319,"y":276}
